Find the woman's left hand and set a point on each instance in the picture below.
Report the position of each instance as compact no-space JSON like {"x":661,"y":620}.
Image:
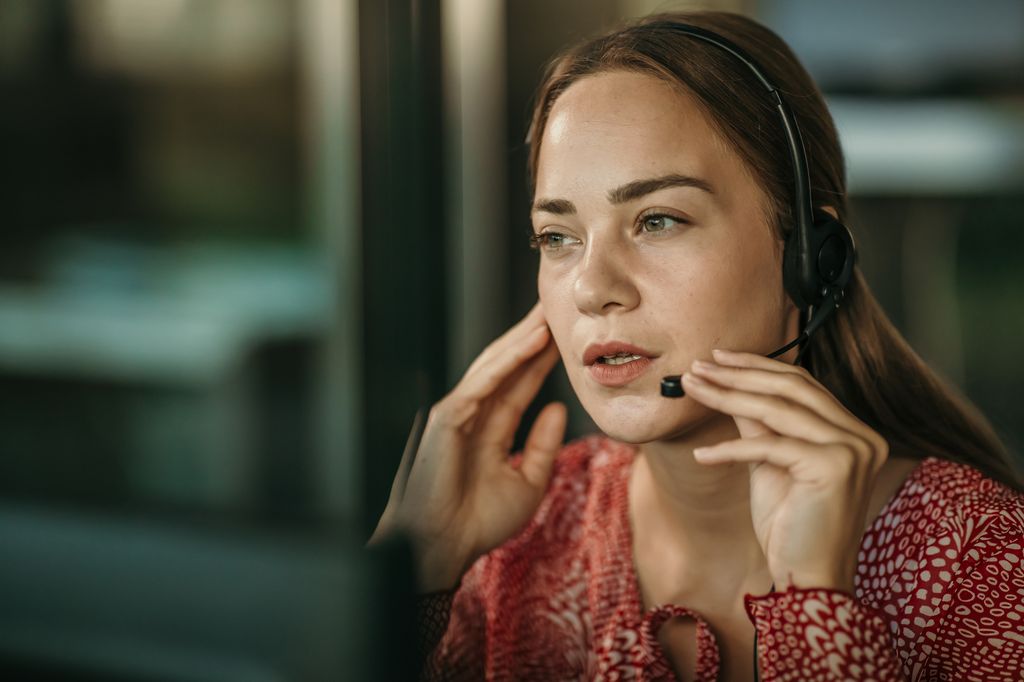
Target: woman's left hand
{"x":812,"y":464}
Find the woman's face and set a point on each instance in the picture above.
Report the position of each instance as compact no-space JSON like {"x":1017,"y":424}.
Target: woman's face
{"x":656,"y":237}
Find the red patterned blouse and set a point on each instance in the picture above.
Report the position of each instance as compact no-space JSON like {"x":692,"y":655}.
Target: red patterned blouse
{"x":939,"y":591}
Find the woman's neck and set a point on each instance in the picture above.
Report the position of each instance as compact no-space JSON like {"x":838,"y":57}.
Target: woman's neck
{"x":694,"y":517}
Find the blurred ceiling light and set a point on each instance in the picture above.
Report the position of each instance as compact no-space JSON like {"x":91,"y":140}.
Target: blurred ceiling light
{"x":195,"y":37}
{"x":933,"y":146}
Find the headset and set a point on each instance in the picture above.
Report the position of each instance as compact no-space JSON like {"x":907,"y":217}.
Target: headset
{"x":819,"y":253}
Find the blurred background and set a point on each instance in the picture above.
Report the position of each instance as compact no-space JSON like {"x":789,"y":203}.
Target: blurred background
{"x":244,"y":240}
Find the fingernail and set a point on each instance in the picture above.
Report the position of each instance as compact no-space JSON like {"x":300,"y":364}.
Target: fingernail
{"x":693,"y":379}
{"x":701,"y":366}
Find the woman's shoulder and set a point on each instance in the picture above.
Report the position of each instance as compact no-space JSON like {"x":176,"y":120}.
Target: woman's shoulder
{"x":954,"y":504}
{"x":981,"y":508}
{"x":948,"y":488}
{"x":945,"y":557}
{"x":589,"y":473}
{"x":588,"y":466}
{"x":591,"y":456}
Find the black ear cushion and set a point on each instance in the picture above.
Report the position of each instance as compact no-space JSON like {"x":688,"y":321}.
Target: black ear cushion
{"x":833,"y":256}
{"x":836,"y":253}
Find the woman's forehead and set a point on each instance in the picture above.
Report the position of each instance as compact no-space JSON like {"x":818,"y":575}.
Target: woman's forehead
{"x":616,"y":126}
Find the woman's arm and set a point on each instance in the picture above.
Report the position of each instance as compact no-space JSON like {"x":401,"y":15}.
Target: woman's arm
{"x":812,"y":634}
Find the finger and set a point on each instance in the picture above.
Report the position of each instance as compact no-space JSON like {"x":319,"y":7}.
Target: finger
{"x":514,"y":336}
{"x":461,"y":408}
{"x":505,"y":409}
{"x":543,"y":444}
{"x":777,"y":413}
{"x":467,"y":410}
{"x":485,"y":380}
{"x":753,"y":360}
{"x":807,"y":461}
{"x":793,"y":386}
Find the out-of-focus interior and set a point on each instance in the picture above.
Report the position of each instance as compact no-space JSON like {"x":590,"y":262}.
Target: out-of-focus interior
{"x":244,"y":240}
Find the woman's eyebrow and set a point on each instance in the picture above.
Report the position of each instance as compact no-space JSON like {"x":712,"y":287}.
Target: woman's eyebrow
{"x":638,"y":188}
{"x":628,"y":192}
{"x":555,"y":206}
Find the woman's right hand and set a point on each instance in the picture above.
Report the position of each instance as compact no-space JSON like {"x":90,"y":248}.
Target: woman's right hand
{"x":462,"y":495}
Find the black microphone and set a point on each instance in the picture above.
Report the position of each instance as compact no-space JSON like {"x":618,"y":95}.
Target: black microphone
{"x":672,"y":385}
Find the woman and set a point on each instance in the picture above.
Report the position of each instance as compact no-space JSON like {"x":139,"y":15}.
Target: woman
{"x":841,"y":515}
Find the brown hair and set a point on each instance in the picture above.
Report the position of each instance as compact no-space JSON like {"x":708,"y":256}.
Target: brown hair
{"x":858,"y":355}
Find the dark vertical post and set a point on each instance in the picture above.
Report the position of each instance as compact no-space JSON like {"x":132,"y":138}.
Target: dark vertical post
{"x":403,"y":227}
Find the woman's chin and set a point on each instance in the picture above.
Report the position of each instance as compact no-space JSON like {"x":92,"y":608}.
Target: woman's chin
{"x":635,"y":420}
{"x":630,"y":433}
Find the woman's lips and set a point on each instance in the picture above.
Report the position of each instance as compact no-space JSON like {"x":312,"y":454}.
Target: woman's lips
{"x":618,"y":375}
{"x":594,"y":351}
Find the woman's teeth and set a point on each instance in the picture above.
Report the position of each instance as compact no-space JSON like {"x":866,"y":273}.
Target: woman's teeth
{"x":619,"y":359}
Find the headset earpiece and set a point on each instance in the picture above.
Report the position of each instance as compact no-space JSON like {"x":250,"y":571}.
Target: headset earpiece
{"x":823,"y":267}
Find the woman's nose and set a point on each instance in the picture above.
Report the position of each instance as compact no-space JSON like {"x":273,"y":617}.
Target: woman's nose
{"x":603,"y":282}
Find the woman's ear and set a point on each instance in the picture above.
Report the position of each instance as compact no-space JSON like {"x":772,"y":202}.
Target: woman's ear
{"x":831,"y":211}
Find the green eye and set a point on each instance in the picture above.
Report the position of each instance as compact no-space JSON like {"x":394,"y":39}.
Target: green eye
{"x":660,"y":222}
{"x":550,"y":241}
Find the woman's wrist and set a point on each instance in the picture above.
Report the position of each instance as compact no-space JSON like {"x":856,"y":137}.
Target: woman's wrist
{"x":439,"y":566}
{"x":832,"y":580}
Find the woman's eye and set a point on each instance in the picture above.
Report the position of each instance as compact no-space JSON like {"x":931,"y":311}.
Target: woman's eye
{"x":550,"y":241}
{"x":660,"y":222}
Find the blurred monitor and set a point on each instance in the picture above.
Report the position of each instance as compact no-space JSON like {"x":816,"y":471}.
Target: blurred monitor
{"x":102,"y":599}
